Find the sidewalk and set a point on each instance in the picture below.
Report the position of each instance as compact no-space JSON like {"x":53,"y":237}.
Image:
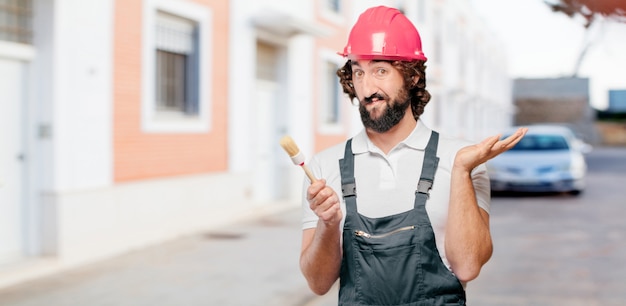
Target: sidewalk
{"x":248,"y":263}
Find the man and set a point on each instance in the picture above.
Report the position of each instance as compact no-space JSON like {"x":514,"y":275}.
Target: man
{"x":420,"y":230}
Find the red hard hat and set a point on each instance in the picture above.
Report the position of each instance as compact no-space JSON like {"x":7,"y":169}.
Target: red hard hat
{"x":384,"y":33}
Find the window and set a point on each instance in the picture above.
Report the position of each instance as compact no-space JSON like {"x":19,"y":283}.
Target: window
{"x":334,"y":5}
{"x":16,"y":21}
{"x":421,"y":11}
{"x":331,"y":98}
{"x":437,"y":43}
{"x":541,"y":143}
{"x":331,"y":11}
{"x":176,"y":60}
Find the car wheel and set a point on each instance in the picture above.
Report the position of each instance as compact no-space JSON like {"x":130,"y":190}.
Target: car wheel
{"x":575,"y":192}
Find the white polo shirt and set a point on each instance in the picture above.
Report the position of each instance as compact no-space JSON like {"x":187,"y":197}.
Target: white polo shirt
{"x":386,"y":183}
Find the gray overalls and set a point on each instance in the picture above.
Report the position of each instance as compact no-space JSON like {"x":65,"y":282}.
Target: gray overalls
{"x":394,"y":260}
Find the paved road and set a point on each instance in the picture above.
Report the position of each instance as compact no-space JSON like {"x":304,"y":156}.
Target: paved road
{"x":250,"y":263}
{"x":559,"y":249}
{"x":549,"y":250}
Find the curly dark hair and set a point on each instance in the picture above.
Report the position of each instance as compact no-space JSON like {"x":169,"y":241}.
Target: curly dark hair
{"x":417,"y":92}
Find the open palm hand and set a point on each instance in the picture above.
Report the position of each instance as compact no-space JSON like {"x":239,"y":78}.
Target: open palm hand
{"x":471,"y":156}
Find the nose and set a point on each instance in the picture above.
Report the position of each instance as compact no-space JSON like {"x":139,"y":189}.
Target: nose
{"x":368,"y":85}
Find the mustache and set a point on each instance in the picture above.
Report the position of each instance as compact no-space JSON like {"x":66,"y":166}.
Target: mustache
{"x":377,"y":96}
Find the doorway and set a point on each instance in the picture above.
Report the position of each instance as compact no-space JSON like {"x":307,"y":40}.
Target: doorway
{"x":270,"y":124}
{"x":12,"y":233}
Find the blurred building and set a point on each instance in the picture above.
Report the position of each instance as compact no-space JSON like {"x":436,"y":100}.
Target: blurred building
{"x":563,"y":101}
{"x":617,"y":101}
{"x":127,"y":123}
{"x":611,"y":122}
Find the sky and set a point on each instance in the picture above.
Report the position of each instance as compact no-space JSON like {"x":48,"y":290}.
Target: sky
{"x":544,"y":44}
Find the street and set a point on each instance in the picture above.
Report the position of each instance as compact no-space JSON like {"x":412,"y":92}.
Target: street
{"x":560,"y":249}
{"x":550,"y":249}
{"x":248,"y":263}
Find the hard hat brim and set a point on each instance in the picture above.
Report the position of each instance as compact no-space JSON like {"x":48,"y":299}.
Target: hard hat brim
{"x":417,"y":57}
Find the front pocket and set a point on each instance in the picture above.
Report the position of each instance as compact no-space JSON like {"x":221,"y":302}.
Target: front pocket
{"x":385,"y":240}
{"x":383,"y":235}
{"x":388,"y":263}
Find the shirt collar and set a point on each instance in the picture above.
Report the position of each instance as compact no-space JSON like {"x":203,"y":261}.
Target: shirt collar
{"x":418,"y":139}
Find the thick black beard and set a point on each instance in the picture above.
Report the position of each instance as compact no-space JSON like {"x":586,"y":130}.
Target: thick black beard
{"x":392,"y":116}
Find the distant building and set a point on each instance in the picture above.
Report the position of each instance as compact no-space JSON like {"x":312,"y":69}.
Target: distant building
{"x":612,"y":120}
{"x":617,"y":101}
{"x":563,"y":101}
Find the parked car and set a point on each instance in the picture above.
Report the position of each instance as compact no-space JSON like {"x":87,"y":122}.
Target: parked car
{"x":547,"y":159}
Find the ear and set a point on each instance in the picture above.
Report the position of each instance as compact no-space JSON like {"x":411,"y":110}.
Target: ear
{"x":415,"y":80}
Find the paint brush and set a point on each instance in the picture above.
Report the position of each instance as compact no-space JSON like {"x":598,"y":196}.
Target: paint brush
{"x":296,"y":156}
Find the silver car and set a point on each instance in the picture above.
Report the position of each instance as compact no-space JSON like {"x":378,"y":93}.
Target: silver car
{"x":547,"y":159}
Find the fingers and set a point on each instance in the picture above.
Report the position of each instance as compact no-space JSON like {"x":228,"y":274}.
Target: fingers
{"x":512,"y":140}
{"x":324,"y":201}
{"x":490,"y":141}
{"x":315,"y":188}
{"x":471,"y":156}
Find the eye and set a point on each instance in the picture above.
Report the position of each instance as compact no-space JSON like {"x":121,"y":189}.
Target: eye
{"x":381,"y":72}
{"x":357,"y":73}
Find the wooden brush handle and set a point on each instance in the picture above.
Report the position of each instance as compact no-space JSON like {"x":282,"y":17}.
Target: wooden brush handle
{"x":309,"y":174}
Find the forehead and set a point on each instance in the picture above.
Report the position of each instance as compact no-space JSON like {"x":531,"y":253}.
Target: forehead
{"x":368,"y":63}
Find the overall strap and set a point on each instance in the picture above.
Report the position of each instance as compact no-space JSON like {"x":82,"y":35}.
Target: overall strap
{"x":428,"y":169}
{"x":348,"y":182}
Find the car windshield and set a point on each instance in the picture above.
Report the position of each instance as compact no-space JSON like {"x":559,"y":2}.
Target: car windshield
{"x":541,"y":143}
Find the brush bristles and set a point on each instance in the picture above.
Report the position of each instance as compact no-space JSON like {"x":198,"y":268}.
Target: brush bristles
{"x":289,"y":145}
{"x":296,"y":156}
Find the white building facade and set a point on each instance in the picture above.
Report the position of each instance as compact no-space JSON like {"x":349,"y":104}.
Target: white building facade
{"x":93,"y":164}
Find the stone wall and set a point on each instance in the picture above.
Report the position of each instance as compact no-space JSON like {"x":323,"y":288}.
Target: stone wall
{"x":552,"y":110}
{"x":612,"y":133}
